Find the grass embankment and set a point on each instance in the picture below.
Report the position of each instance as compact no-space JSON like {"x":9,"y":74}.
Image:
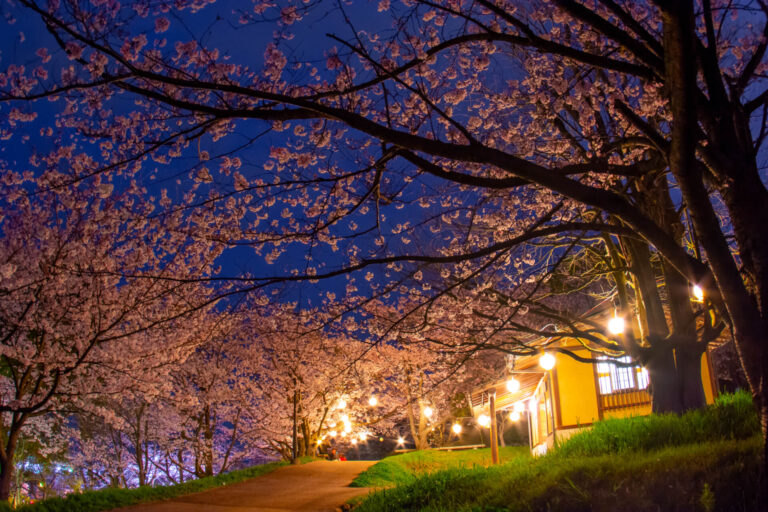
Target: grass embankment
{"x":705,"y":460}
{"x":406,"y":468}
{"x":107,"y":499}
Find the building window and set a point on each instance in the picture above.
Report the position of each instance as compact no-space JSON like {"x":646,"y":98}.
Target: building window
{"x":612,"y":378}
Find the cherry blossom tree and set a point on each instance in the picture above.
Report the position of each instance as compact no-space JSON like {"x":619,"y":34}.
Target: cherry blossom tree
{"x":447,"y":141}
{"x":82,"y":312}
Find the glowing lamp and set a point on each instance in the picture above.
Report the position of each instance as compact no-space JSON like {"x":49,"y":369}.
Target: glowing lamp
{"x":381,"y":439}
{"x":347,"y":428}
{"x":532,"y":405}
{"x":363,"y":436}
{"x":513,"y":385}
{"x":514,"y":416}
{"x":345,"y":418}
{"x":341,"y":404}
{"x":484,"y":420}
{"x":428,"y":412}
{"x":343,"y":434}
{"x":354,"y":441}
{"x":456,"y":428}
{"x":332,"y":433}
{"x":373,"y":401}
{"x":616,"y":325}
{"x":547,"y":361}
{"x":400,"y":440}
{"x":698,"y":293}
{"x":519,"y":407}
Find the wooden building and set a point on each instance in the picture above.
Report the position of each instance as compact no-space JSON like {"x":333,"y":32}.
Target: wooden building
{"x":571,"y":395}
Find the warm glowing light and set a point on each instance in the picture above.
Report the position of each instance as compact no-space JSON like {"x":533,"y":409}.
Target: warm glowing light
{"x":343,"y":434}
{"x":341,"y":404}
{"x":363,"y":436}
{"x":373,"y":401}
{"x":484,"y":420}
{"x":319,"y":442}
{"x":400,"y":440}
{"x":616,"y":325}
{"x":381,"y":439}
{"x":514,"y":416}
{"x":345,"y":418}
{"x":532,"y":405}
{"x":519,"y":407}
{"x":332,"y":433}
{"x":513,"y":385}
{"x":331,"y":424}
{"x":698,"y":293}
{"x":347,"y":428}
{"x":354,"y":441}
{"x":547,"y":361}
{"x":456,"y":428}
{"x":428,"y":412}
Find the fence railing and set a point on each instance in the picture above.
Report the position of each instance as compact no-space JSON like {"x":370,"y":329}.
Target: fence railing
{"x":625,"y":399}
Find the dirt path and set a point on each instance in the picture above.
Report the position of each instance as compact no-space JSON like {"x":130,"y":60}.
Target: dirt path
{"x":317,"y":486}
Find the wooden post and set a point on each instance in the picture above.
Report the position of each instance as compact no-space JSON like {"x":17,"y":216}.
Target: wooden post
{"x":294,"y":440}
{"x":494,"y":431}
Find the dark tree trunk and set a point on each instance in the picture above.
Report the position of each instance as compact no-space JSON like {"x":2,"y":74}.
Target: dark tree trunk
{"x":664,"y":381}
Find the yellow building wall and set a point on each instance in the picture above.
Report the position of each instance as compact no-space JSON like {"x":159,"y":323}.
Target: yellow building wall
{"x":576,"y":390}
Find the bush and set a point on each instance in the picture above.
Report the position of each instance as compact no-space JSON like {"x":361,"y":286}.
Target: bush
{"x":732,"y":416}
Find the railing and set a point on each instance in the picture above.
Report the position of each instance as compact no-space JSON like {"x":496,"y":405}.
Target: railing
{"x":625,"y":399}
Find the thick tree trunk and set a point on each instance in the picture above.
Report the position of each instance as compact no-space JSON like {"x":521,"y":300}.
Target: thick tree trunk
{"x":6,"y":478}
{"x":664,"y":381}
{"x":689,"y":373}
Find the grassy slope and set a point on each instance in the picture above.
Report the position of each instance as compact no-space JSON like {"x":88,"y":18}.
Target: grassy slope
{"x":106,"y":499}
{"x":407,"y":467}
{"x":691,"y":477}
{"x":705,"y":460}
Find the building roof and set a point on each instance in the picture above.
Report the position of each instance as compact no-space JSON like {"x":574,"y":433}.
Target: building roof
{"x":529,"y":381}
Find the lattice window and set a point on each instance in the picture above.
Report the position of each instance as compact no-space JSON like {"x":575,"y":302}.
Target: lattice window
{"x":612,"y":378}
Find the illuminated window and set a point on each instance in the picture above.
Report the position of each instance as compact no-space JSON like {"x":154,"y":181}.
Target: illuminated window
{"x":612,"y":378}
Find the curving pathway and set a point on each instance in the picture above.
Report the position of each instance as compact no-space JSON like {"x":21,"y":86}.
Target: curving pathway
{"x":316,"y":486}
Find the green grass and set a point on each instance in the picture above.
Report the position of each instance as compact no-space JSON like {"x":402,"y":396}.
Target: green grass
{"x":707,"y":477}
{"x":731,"y":417}
{"x":106,"y":499}
{"x":707,"y":460}
{"x":407,"y":467}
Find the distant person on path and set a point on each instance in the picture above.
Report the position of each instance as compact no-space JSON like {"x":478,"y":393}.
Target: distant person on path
{"x":342,"y":457}
{"x":332,"y":454}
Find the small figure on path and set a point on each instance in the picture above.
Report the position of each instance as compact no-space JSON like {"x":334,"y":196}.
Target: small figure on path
{"x":332,"y":454}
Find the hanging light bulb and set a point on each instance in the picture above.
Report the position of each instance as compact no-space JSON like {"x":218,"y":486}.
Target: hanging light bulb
{"x":698,"y":293}
{"x":616,"y":325}
{"x":547,"y":361}
{"x":519,"y":407}
{"x":400,"y":440}
{"x":373,"y":401}
{"x":332,"y":433}
{"x":484,"y":420}
{"x":456,"y":428}
{"x":428,"y":412}
{"x":363,"y":436}
{"x":514,"y":416}
{"x":341,"y":404}
{"x":513,"y":385}
{"x":354,"y":441}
